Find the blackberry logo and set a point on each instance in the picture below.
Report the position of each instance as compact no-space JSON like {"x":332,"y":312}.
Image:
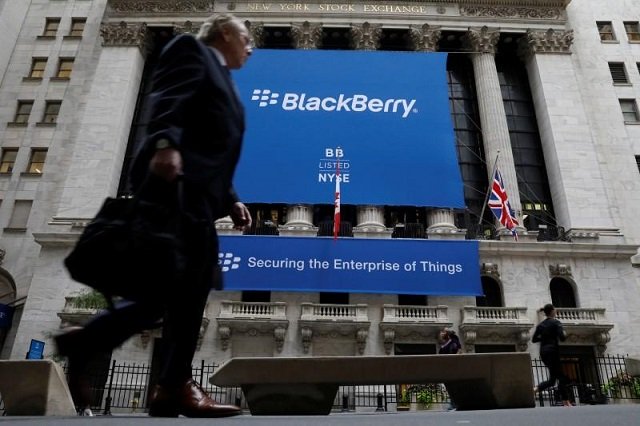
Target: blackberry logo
{"x":339,"y":103}
{"x":266,"y":97}
{"x":228,"y":261}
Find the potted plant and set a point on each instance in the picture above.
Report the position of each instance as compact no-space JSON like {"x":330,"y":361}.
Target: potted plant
{"x":425,"y":395}
{"x":622,"y":386}
{"x":91,"y":299}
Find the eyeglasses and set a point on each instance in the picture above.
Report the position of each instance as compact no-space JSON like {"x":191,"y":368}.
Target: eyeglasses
{"x":247,"y":41}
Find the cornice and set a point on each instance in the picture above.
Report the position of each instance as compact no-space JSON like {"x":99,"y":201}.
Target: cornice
{"x":503,"y":11}
{"x":554,"y":249}
{"x":519,"y":3}
{"x":161,"y":6}
{"x":208,"y":6}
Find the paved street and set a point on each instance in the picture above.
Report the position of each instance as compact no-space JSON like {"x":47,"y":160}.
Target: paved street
{"x":597,"y":415}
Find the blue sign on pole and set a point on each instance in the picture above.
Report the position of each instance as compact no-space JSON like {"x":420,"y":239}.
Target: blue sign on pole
{"x":383,"y":118}
{"x":353,"y":265}
{"x":36,"y":349}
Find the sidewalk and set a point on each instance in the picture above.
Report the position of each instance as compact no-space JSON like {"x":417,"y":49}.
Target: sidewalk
{"x":596,"y":415}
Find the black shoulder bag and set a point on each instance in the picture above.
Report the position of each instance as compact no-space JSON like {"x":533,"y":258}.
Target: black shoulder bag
{"x":130,"y":249}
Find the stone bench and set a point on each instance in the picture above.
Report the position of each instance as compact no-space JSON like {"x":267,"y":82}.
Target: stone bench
{"x":34,"y":388}
{"x":298,"y":386}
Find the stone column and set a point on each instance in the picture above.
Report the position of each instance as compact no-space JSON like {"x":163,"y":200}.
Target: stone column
{"x":441,"y":225}
{"x":371,"y":223}
{"x":306,"y":35}
{"x":299,"y":221}
{"x":441,"y":221}
{"x":366,"y":36}
{"x":569,"y":150}
{"x":495,"y":132}
{"x":102,"y":138}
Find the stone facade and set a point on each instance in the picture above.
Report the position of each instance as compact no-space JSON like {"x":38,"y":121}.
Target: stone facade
{"x":589,"y":153}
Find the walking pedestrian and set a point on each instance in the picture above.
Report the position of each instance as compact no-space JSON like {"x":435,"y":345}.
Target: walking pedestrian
{"x":194,"y":135}
{"x":449,"y":344}
{"x":549,"y":333}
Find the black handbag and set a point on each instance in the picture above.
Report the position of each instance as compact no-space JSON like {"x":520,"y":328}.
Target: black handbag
{"x":131,"y":249}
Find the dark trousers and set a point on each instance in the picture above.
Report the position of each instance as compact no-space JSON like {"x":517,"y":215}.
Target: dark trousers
{"x":182,"y":312}
{"x":551,"y":360}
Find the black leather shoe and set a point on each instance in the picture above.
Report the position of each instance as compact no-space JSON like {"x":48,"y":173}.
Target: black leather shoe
{"x":189,"y":400}
{"x":69,"y":346}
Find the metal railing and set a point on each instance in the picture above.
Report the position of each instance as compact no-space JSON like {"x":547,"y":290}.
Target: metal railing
{"x":124,"y":388}
{"x":599,"y":381}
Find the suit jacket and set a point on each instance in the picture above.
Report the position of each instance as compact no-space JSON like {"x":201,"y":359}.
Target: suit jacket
{"x":195,"y":107}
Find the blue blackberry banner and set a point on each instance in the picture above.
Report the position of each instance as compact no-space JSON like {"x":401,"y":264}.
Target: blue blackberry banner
{"x":351,"y":265}
{"x":383,"y":116}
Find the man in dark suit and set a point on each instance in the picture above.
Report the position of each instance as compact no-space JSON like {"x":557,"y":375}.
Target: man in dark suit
{"x":194,"y":136}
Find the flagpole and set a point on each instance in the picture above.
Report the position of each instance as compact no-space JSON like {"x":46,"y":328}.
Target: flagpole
{"x":337,"y":203}
{"x":486,"y":197}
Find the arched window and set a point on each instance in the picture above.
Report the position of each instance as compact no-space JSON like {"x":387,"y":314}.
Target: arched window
{"x":562,"y":294}
{"x":492,"y":294}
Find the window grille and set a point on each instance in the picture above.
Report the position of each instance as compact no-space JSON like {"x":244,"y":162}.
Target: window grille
{"x":618,"y":73}
{"x":606,"y":31}
{"x":633,"y":30}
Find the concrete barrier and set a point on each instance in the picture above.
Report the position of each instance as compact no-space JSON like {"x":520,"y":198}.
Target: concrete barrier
{"x":35,"y":388}
{"x":295,"y":386}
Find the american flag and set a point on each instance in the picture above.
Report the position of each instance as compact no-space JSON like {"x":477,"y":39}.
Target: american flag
{"x":499,"y":205}
{"x":336,"y":204}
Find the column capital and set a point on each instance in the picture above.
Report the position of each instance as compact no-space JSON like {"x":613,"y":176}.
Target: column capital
{"x":550,"y":41}
{"x":256,"y":30}
{"x":306,"y":35}
{"x":123,"y":34}
{"x":365,"y":36}
{"x":482,"y":40}
{"x":187,"y":27}
{"x":425,"y":38}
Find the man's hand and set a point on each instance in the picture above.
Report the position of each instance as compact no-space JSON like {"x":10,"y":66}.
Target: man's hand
{"x":167,"y":164}
{"x":241,"y":216}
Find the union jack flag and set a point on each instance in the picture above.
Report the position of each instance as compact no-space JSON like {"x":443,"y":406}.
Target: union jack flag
{"x":499,"y":205}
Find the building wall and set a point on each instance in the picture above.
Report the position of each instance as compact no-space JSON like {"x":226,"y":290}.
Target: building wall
{"x":588,"y":150}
